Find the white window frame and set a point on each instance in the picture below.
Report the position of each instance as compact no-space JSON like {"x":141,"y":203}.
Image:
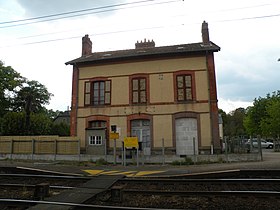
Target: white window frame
{"x":95,"y":140}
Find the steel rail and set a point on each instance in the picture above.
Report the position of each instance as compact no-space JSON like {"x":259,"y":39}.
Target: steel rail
{"x":17,"y":202}
{"x":46,"y":176}
{"x":194,"y":181}
{"x":204,"y":193}
{"x":33,"y":186}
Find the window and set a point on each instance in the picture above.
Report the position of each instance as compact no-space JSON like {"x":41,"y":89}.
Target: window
{"x":184,"y":88}
{"x":95,"y":140}
{"x":139,"y":90}
{"x":97,"y":124}
{"x":98,"y":93}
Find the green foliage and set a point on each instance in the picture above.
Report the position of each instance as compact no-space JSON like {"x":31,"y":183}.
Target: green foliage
{"x":233,"y":122}
{"x":60,"y":129}
{"x":10,"y":81}
{"x":22,"y":110}
{"x":263,"y":118}
{"x":100,"y":162}
{"x":31,"y":97}
{"x":40,"y":124}
{"x":13,"y":124}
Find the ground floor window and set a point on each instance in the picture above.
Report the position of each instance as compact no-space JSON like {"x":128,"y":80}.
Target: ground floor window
{"x":95,"y":140}
{"x":141,"y":129}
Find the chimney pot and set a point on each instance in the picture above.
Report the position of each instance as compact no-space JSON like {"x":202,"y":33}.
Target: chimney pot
{"x":86,"y":45}
{"x":205,"y":33}
{"x":145,"y":44}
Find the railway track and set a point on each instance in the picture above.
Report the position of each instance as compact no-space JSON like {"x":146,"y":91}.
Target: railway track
{"x":145,"y":193}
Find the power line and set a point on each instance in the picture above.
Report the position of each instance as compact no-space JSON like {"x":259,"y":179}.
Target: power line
{"x":139,"y":29}
{"x":97,"y":34}
{"x":76,"y":11}
{"x":31,"y":36}
{"x":79,"y":11}
{"x":249,"y":18}
{"x":131,"y":30}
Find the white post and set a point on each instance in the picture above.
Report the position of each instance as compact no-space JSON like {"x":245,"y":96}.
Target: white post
{"x":137,"y":154}
{"x":115,"y":152}
{"x":194,"y":152}
{"x":226,"y":148}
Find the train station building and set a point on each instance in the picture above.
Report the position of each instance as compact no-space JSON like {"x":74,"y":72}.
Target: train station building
{"x":164,"y":95}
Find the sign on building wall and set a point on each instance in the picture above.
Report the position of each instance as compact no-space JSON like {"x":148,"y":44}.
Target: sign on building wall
{"x":114,"y":136}
{"x":130,"y":142}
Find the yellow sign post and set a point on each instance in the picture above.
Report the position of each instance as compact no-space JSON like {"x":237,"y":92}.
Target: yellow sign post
{"x":114,"y":136}
{"x":130,"y":142}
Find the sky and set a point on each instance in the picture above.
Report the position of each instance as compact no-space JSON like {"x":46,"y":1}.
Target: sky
{"x":37,"y":37}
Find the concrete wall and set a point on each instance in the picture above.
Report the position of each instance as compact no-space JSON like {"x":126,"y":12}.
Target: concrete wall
{"x":39,"y":145}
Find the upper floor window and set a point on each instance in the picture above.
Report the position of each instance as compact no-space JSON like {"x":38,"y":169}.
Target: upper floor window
{"x":139,"y":90}
{"x":98,"y":93}
{"x":184,"y":87}
{"x":97,"y":124}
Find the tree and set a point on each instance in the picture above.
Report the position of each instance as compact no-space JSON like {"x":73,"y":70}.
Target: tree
{"x":10,"y":81}
{"x":270,"y":125}
{"x":263,"y":117}
{"x":31,"y":98}
{"x":254,"y":116}
{"x":60,"y":129}
{"x":13,"y":123}
{"x":233,"y":122}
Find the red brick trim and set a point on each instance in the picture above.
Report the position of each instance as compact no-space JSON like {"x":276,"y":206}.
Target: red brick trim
{"x":99,"y":118}
{"x":213,"y":101}
{"x":140,"y":116}
{"x":74,"y":101}
{"x":184,"y":72}
{"x":151,"y":104}
{"x":98,"y":79}
{"x":91,"y":81}
{"x":127,"y":75}
{"x":136,"y":76}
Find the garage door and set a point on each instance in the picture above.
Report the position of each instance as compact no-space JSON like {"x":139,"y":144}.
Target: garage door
{"x":186,"y":130}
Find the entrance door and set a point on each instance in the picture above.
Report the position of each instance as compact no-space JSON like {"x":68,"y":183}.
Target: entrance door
{"x":141,"y":129}
{"x":186,"y":130}
{"x":96,"y":141}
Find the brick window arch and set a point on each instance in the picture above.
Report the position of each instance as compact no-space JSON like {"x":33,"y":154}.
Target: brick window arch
{"x":184,"y":86}
{"x":139,"y":89}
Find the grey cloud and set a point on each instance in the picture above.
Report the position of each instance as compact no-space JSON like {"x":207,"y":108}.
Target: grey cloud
{"x":261,"y":76}
{"x":35,"y":8}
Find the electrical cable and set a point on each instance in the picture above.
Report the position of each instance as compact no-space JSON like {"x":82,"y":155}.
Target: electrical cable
{"x":77,"y":15}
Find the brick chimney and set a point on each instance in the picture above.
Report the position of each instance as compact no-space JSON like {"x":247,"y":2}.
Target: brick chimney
{"x":86,"y":46}
{"x":205,"y":33}
{"x":145,"y":44}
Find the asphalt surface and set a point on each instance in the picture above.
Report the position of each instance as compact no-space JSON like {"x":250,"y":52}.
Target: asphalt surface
{"x":271,"y":160}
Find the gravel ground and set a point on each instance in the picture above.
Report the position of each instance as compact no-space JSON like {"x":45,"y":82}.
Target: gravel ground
{"x":180,"y":202}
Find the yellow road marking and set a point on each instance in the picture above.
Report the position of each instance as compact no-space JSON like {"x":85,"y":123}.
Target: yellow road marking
{"x":94,"y":172}
{"x":144,"y":173}
{"x":127,"y":173}
{"x":109,"y":172}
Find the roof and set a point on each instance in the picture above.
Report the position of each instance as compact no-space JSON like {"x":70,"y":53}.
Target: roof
{"x":146,"y":52}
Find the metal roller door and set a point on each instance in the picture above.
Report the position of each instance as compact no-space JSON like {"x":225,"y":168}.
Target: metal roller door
{"x":186,"y":130}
